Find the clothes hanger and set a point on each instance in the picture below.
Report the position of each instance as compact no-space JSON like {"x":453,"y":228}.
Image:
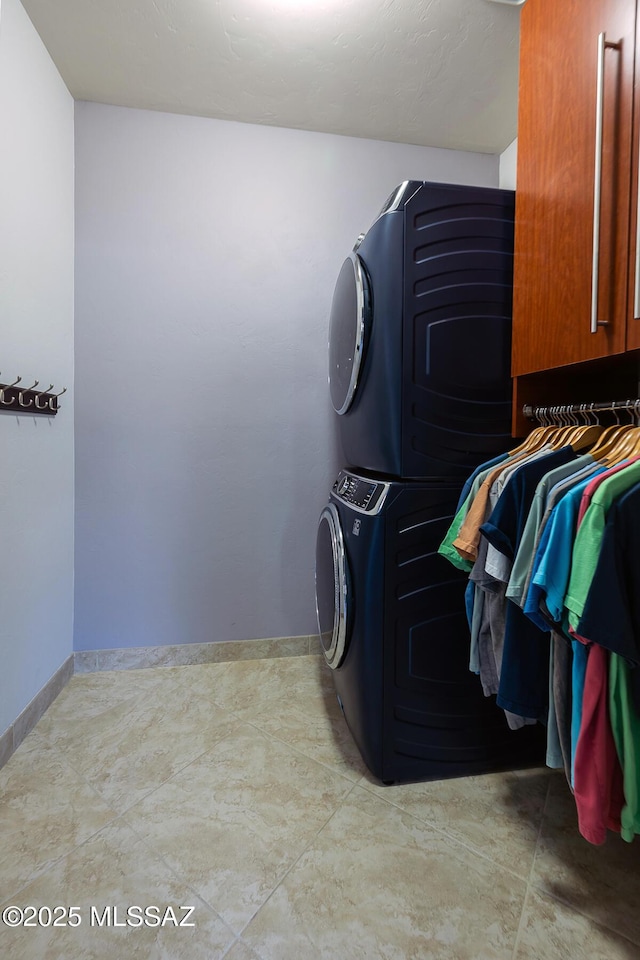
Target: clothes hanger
{"x":565,"y":430}
{"x":537,"y":437}
{"x":585,"y":434}
{"x":628,"y":445}
{"x":605,"y":441}
{"x":610,"y":444}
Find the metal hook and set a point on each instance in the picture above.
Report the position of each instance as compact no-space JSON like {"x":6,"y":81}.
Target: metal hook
{"x":51,"y":399}
{"x":22,"y":392}
{"x":41,"y":393}
{"x":615,"y":412}
{"x":630,"y":407}
{"x":8,"y":403}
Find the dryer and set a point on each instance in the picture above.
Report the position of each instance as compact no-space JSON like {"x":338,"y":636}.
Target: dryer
{"x":393,"y":629}
{"x":420,"y":333}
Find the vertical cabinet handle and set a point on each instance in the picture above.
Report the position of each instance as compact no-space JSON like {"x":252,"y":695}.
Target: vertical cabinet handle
{"x":636,"y":297}
{"x":603,"y":43}
{"x":597,"y":183}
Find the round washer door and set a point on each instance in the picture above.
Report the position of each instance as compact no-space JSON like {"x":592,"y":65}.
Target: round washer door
{"x":332,"y":587}
{"x":348,"y":331}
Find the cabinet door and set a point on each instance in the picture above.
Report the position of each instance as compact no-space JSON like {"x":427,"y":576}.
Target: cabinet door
{"x":554,"y":241}
{"x":633,"y":305}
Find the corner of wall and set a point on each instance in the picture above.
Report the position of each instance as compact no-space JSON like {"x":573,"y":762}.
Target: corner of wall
{"x":508,"y":163}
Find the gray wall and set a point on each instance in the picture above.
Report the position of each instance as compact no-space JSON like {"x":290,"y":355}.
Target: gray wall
{"x":508,"y":166}
{"x":36,"y":324}
{"x":206,"y":257}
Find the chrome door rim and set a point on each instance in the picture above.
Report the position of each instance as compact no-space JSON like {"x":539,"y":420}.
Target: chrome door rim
{"x":335,"y":654}
{"x":356,"y":263}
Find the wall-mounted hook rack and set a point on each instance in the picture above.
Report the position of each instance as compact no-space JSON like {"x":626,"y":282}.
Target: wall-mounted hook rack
{"x":17,"y":399}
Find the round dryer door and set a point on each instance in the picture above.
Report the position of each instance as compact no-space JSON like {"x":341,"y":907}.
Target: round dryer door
{"x":332,"y":587}
{"x":348,"y":330}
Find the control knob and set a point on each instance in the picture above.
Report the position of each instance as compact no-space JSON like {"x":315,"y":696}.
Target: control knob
{"x":343,"y":485}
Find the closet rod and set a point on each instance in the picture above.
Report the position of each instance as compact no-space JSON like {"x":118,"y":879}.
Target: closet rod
{"x":613,"y":406}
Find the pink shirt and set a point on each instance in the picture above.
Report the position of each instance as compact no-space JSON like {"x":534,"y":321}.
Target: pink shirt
{"x":595,"y":483}
{"x":598,"y":784}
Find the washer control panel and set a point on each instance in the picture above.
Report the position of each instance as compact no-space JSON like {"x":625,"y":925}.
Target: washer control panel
{"x":364,"y":495}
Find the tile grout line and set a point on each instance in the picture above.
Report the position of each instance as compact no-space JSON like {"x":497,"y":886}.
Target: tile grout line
{"x":300,"y":752}
{"x":61,"y":757}
{"x":38,"y":874}
{"x":529,"y":886}
{"x":149,"y":846}
{"x":175,"y":773}
{"x":239,"y":940}
{"x":434,"y":826}
{"x":298,"y":858}
{"x":547,"y":894}
{"x":146,"y":843}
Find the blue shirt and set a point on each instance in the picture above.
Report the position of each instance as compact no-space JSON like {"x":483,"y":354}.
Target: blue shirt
{"x":552,"y":562}
{"x":524,"y":678}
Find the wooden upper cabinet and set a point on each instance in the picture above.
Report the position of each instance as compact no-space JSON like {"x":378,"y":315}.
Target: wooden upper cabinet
{"x":555,"y":202}
{"x":633,"y":304}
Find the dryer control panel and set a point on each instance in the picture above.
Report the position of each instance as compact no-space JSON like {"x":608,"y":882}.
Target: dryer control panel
{"x":362,"y":494}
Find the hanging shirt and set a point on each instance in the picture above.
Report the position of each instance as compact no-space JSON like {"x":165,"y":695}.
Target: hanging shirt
{"x":611,"y":615}
{"x":556,"y":493}
{"x":625,"y":723}
{"x":563,"y":696}
{"x":597,"y":775}
{"x":578,"y":675}
{"x":525,"y":555}
{"x":466,"y":543}
{"x":524,"y":679}
{"x":467,"y":496}
{"x":497,"y":564}
{"x":551,"y":567}
{"x":478,"y":474}
{"x":588,"y":540}
{"x":554,"y":755}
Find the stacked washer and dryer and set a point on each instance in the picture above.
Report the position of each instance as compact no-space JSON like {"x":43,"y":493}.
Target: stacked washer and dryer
{"x":419,"y":354}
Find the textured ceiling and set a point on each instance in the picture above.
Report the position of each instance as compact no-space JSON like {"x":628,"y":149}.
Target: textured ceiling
{"x":433,"y":72}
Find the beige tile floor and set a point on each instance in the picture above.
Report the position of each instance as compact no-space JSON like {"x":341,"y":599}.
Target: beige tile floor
{"x":235,"y":788}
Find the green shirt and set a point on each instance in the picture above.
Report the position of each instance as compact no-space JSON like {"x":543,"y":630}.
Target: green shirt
{"x":446,"y":548}
{"x":625,"y":725}
{"x":588,"y":540}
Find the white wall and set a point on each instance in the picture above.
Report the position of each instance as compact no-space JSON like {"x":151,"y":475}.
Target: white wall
{"x":508,"y":164}
{"x":206,"y":256}
{"x":36,"y":324}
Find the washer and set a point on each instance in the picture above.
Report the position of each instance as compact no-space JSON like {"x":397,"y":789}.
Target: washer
{"x":393,"y":629}
{"x":420,"y":333}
